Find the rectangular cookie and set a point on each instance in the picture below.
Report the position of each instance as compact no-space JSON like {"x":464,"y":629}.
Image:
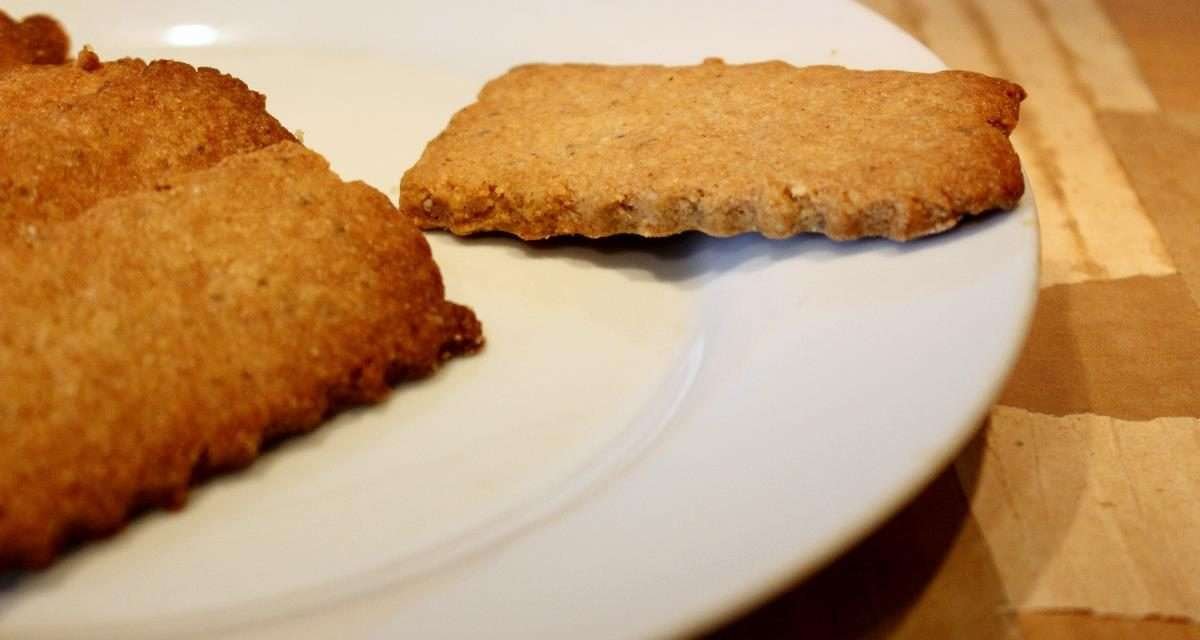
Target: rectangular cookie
{"x":167,"y":334}
{"x":595,"y":150}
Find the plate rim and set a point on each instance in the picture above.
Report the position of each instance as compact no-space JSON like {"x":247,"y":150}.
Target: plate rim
{"x":804,"y":564}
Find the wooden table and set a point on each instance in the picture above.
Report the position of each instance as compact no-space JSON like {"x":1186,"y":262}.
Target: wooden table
{"x":1076,"y":511}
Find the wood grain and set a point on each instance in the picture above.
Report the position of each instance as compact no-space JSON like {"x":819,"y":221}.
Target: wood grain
{"x":1089,"y":512}
{"x":1161,"y":154}
{"x":1126,"y":348}
{"x":1101,"y":61}
{"x":1162,"y":36}
{"x":1083,"y":626}
{"x":1094,"y":226}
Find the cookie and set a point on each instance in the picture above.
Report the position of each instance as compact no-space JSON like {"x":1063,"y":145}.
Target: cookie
{"x":37,"y":39}
{"x":593,"y":150}
{"x":89,"y":131}
{"x":166,"y":335}
{"x":37,"y":88}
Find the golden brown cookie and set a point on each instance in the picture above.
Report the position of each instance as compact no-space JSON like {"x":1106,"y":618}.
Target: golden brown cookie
{"x":35,"y":40}
{"x":598,"y":150}
{"x":85,"y":132}
{"x":36,"y":87}
{"x":169,"y":333}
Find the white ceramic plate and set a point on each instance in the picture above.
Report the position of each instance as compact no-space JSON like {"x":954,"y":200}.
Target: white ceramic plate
{"x":658,"y":434}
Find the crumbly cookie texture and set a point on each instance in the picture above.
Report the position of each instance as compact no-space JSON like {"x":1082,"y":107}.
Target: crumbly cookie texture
{"x":167,"y":334}
{"x":593,"y":150}
{"x":72,"y":135}
{"x":38,"y":89}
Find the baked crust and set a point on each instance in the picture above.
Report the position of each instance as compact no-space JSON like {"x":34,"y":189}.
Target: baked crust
{"x":88,"y":131}
{"x":598,"y":150}
{"x":35,"y":89}
{"x":167,"y":334}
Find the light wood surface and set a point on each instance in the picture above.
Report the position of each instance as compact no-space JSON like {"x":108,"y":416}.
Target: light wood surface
{"x":1076,"y":511}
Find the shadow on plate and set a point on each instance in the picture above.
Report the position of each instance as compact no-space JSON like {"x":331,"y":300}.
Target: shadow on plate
{"x":12,"y":582}
{"x":691,"y":258}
